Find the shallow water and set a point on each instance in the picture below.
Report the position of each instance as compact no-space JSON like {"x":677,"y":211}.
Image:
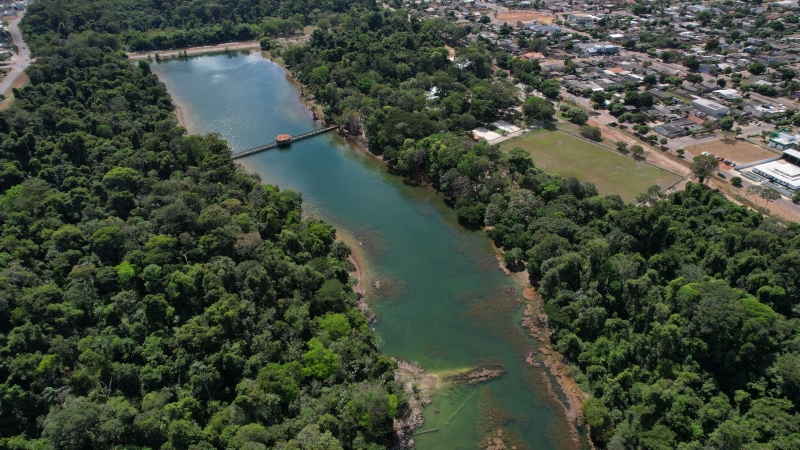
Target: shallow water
{"x":443,"y":301}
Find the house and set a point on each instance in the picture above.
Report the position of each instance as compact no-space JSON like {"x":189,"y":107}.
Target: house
{"x":670,"y":131}
{"x":710,"y":108}
{"x":599,"y":49}
{"x":545,"y":29}
{"x":728,"y":94}
{"x":583,"y":19}
{"x":765,"y":111}
{"x":783,"y":141}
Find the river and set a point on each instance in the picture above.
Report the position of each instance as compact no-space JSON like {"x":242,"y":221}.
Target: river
{"x":443,"y":302}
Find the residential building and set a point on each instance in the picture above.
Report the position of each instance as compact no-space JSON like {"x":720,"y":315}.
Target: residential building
{"x":728,"y":94}
{"x":670,"y":131}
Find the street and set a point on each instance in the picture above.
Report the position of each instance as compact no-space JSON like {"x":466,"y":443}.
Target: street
{"x":20,"y":61}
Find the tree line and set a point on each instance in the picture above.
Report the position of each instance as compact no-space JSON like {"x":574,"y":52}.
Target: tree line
{"x":160,"y":24}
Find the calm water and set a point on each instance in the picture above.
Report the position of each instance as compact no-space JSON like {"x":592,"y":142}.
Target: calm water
{"x":443,"y":303}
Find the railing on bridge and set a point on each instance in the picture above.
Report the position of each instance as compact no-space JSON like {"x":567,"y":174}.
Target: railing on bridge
{"x":259,"y":149}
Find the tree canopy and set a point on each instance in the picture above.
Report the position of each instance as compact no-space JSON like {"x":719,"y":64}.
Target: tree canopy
{"x":154,"y":295}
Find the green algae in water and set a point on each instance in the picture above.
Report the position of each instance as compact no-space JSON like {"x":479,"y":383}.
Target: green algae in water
{"x":452,"y":307}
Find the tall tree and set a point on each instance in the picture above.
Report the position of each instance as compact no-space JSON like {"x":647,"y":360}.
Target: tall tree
{"x":703,"y":166}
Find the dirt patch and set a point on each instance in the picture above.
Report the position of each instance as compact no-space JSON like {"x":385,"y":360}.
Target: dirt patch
{"x":451,"y":52}
{"x":536,"y":322}
{"x":513,"y":17}
{"x":739,"y":152}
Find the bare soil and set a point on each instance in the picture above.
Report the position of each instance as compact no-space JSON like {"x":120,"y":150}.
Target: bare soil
{"x":20,"y":82}
{"x":738,"y":152}
{"x":512,"y":17}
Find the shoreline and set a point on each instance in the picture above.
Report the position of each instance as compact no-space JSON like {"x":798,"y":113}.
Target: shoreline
{"x":535,"y":323}
{"x":209,"y":49}
{"x":193,"y":51}
{"x":358,"y":257}
{"x":182,"y":119}
{"x":311,"y":105}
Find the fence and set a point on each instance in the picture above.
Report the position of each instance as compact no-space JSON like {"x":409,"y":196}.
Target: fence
{"x":619,"y":152}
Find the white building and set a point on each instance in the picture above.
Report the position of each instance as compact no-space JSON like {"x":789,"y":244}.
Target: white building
{"x":766,"y":111}
{"x":781,"y":172}
{"x":728,"y":94}
{"x":712,"y":109}
{"x":583,"y":18}
{"x":784,"y":141}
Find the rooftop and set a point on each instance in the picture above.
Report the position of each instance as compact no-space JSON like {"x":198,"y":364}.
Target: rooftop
{"x":782,"y":172}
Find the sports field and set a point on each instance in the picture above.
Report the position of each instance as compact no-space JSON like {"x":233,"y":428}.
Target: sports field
{"x":612,"y":173}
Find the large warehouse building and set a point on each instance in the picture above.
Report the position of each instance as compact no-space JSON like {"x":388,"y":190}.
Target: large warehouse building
{"x":785,"y":172}
{"x":712,"y":109}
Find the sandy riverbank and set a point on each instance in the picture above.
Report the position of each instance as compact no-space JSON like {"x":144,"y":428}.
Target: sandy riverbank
{"x":358,"y":257}
{"x":194,"y":51}
{"x":180,"y":113}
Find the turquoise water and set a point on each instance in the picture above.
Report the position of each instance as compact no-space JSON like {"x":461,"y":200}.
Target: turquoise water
{"x":443,"y":302}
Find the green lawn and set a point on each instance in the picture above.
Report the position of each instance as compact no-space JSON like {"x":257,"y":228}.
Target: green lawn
{"x":566,"y":155}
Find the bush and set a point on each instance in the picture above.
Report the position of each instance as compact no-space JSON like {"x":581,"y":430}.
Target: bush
{"x":471,"y":216}
{"x":590,"y":132}
{"x":736,"y":181}
{"x":796,"y":197}
{"x":513,"y":259}
{"x":267,"y":43}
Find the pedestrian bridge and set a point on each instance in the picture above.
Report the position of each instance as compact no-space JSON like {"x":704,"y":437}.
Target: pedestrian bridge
{"x":261,"y":148}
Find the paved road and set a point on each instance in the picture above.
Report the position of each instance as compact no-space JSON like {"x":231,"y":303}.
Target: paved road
{"x":21,"y":60}
{"x":789,"y":207}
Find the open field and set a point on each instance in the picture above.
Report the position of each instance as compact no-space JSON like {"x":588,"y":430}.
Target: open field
{"x":739,"y":152}
{"x":512,"y":17}
{"x":560,"y":153}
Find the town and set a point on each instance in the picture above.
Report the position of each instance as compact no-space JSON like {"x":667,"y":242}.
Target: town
{"x":695,"y":78}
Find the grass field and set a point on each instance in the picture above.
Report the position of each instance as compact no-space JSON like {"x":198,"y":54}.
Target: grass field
{"x":566,"y":155}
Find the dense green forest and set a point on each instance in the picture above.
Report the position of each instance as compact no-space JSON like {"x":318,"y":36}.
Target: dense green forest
{"x":681,"y":315}
{"x":160,"y":24}
{"x":154,"y":295}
